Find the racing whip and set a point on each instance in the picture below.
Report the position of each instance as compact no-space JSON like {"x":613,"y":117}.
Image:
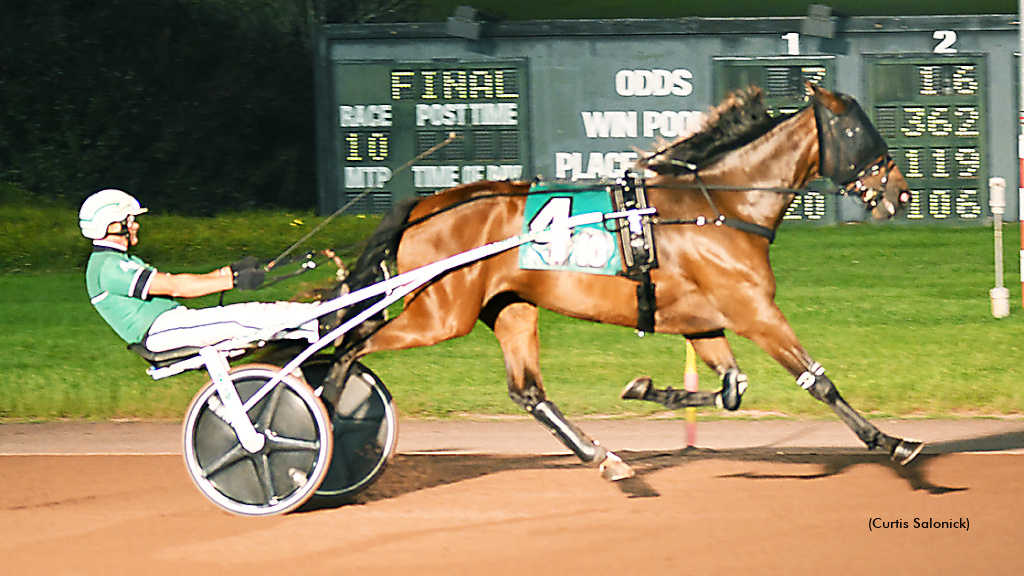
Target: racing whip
{"x":452,"y":136}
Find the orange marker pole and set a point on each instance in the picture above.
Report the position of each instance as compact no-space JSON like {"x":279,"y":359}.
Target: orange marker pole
{"x":690,"y":383}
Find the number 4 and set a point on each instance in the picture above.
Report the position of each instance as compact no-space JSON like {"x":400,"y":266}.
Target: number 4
{"x":946,"y":40}
{"x":559,"y":241}
{"x":553,"y":212}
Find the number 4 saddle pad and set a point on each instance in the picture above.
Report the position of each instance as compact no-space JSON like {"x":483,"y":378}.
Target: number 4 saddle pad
{"x":590,"y":248}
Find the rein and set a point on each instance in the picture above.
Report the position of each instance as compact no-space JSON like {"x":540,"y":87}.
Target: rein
{"x":842,"y":138}
{"x":718,"y":220}
{"x":451,"y":138}
{"x":308,"y":263}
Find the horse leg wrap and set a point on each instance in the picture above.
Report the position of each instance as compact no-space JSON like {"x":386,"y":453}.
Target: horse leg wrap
{"x":574,"y":439}
{"x":642,"y":388}
{"x":734,"y":384}
{"x":814,"y":381}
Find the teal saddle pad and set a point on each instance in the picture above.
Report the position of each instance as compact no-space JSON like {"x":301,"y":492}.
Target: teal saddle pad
{"x":589,"y":248}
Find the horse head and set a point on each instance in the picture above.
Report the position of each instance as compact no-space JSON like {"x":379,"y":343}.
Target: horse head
{"x":851,"y":152}
{"x":854,"y":155}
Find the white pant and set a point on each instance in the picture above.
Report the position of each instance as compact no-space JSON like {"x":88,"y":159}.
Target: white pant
{"x":183,"y":326}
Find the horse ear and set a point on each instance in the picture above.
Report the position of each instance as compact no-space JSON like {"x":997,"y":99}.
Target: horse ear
{"x":830,"y":100}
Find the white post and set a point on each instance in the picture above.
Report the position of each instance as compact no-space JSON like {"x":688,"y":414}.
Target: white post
{"x":997,"y":204}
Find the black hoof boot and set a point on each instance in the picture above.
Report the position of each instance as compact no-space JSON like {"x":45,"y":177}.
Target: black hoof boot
{"x":636,"y":389}
{"x":734,"y":384}
{"x":905,"y":451}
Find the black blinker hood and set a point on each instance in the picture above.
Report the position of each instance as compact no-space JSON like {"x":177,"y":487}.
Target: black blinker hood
{"x":848,"y":143}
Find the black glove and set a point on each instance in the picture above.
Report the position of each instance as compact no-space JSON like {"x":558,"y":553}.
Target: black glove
{"x":249,"y":278}
{"x":245,"y":263}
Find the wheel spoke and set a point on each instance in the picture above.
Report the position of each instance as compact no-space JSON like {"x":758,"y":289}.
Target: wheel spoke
{"x":262,"y":464}
{"x":284,"y":444}
{"x":267,"y":415}
{"x":230,"y":457}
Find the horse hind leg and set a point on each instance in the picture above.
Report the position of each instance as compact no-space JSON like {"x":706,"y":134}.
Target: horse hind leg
{"x":515,"y":323}
{"x":421,"y":323}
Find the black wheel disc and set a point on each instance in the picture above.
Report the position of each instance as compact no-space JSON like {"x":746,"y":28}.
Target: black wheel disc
{"x":365,"y":430}
{"x":285,"y":472}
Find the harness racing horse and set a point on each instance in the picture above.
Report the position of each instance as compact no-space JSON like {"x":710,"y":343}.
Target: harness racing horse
{"x":719,"y":195}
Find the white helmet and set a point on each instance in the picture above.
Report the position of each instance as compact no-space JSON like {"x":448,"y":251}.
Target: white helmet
{"x":103,"y":209}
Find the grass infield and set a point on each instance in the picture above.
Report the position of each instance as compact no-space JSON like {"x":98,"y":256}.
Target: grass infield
{"x":899,"y":316}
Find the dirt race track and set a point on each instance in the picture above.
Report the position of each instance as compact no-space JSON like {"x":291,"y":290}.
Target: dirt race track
{"x":503,"y":498}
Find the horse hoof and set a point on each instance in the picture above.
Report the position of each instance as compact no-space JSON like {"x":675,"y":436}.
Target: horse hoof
{"x":905,"y":451}
{"x":636,"y":389}
{"x":614,"y":469}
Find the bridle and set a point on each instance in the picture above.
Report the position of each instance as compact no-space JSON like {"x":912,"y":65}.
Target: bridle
{"x":850,"y":152}
{"x":872,"y":197}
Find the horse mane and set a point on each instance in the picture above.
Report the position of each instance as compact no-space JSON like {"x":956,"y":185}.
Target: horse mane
{"x":740,"y":119}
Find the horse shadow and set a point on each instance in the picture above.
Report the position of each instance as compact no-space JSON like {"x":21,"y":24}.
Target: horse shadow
{"x":830,"y":462}
{"x":410,"y":473}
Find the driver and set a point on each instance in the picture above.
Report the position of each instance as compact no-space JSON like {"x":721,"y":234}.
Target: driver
{"x":135,"y":298}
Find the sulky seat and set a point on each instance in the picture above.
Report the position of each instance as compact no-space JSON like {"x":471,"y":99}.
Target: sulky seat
{"x":165,"y":358}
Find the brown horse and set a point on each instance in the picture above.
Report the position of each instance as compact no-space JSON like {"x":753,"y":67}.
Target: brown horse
{"x":719,"y":196}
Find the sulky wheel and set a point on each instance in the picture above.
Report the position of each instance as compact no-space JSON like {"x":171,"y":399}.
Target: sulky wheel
{"x":290,"y":466}
{"x":365,"y":431}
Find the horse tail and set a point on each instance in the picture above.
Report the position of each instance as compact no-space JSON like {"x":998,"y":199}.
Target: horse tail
{"x":380,"y":253}
{"x":382,"y":247}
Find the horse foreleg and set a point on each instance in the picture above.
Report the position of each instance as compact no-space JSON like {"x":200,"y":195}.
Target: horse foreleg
{"x":515,"y":326}
{"x":779,"y":341}
{"x":820,"y":387}
{"x":716,"y":353}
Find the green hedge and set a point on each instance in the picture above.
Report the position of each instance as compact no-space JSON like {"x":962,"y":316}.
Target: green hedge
{"x":42,"y":235}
